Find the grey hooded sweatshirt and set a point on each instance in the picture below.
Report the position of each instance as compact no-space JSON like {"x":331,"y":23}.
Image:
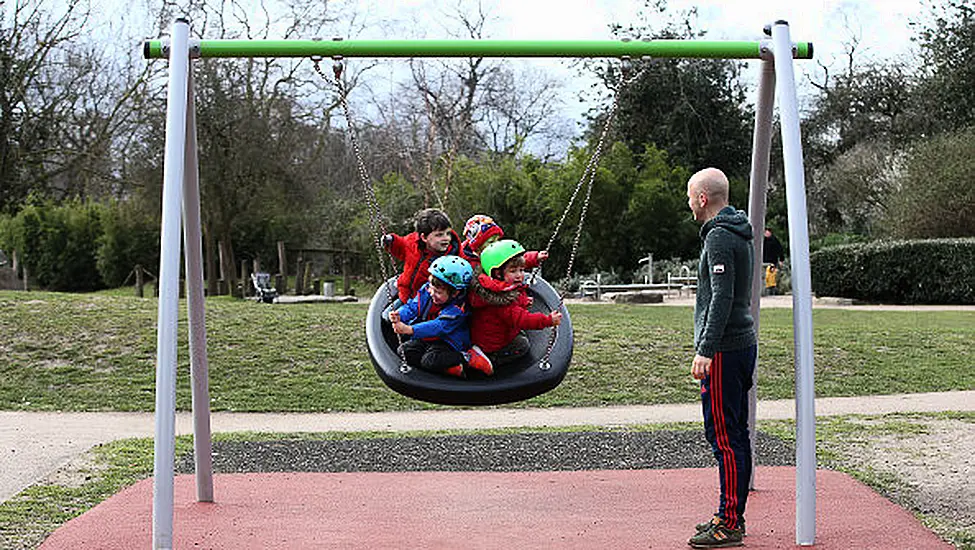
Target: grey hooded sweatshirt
{"x":722,"y":317}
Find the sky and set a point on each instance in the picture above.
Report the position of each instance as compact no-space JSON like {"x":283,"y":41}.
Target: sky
{"x":880,"y":26}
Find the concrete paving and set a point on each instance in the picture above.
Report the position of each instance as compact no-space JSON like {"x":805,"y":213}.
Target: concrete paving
{"x":35,"y":445}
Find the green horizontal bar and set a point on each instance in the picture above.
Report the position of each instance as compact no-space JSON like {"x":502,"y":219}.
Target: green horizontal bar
{"x":156,"y":49}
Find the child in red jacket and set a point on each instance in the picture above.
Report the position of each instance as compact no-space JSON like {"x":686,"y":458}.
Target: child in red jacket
{"x":500,"y":304}
{"x":432,"y":239}
{"x":481,"y":231}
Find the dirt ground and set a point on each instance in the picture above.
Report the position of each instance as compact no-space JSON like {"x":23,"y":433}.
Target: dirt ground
{"x":930,"y":472}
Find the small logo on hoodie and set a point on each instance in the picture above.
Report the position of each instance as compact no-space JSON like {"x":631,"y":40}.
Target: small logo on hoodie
{"x":718,"y":268}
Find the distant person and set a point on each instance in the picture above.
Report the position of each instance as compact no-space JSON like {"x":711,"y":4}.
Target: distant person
{"x":772,"y":257}
{"x":436,"y":320}
{"x":725,"y":349}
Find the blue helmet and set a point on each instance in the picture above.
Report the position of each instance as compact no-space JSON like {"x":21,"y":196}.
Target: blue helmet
{"x":453,"y":270}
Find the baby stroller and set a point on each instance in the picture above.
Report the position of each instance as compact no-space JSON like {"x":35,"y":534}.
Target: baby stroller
{"x":262,"y":286}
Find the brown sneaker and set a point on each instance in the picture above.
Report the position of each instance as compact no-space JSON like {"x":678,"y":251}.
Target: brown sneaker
{"x":700,"y":527}
{"x":477,"y":359}
{"x":717,"y":535}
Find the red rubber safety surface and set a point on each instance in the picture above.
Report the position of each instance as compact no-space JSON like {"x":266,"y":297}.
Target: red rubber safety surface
{"x":616,"y":509}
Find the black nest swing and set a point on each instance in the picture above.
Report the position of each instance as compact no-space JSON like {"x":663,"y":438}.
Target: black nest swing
{"x":518,"y":381}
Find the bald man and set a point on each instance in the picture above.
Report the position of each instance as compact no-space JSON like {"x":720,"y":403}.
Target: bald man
{"x":725,"y":347}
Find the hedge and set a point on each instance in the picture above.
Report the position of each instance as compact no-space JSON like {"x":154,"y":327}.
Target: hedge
{"x":935,"y":271}
{"x":80,"y":246}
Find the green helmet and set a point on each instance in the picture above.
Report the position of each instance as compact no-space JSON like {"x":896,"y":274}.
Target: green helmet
{"x":499,"y":252}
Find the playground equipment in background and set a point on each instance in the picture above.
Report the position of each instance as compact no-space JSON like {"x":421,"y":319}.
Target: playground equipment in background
{"x":680,"y":282}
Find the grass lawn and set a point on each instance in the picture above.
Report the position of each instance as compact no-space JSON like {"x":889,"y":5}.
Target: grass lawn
{"x":90,"y":352}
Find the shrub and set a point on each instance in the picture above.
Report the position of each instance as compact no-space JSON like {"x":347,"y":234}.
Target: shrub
{"x":836,"y":239}
{"x":937,"y":271}
{"x":58,"y":243}
{"x":129,"y":237}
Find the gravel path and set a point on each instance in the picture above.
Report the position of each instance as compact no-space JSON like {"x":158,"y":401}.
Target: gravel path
{"x":597,"y":450}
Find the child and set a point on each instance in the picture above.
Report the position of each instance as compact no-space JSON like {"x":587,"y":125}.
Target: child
{"x":480,"y":231}
{"x":500,"y":304}
{"x":771,"y":274}
{"x":432,"y":239}
{"x":436,"y":321}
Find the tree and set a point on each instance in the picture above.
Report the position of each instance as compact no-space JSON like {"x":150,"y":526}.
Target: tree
{"x":851,"y":135}
{"x":851,"y":195}
{"x":694,"y":109}
{"x":935,"y":195}
{"x":946,"y":97}
{"x":267,"y":156}
{"x":452,"y":109}
{"x":63,"y":106}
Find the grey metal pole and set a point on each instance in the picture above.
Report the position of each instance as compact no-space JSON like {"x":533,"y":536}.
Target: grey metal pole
{"x":761,"y":150}
{"x":801,"y":288}
{"x":195,"y":308}
{"x":173,"y":172}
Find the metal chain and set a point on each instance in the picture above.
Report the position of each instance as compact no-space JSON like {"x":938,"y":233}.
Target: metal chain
{"x":593,"y":163}
{"x":371,"y":199}
{"x":590,"y":175}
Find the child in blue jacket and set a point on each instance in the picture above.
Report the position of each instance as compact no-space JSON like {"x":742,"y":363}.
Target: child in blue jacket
{"x":436,"y":320}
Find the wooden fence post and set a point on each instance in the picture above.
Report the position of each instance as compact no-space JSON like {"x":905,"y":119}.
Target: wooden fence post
{"x":222,"y":283}
{"x":300,"y":276}
{"x":139,"y":281}
{"x":306,"y":279}
{"x":282,"y":283}
{"x":245,"y":280}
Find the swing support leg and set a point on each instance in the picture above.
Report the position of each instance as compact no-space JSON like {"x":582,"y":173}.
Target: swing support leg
{"x":761,"y":151}
{"x":801,"y":287}
{"x":181,"y":200}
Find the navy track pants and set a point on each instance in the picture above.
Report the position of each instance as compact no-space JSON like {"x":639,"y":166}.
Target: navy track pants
{"x":724,"y":397}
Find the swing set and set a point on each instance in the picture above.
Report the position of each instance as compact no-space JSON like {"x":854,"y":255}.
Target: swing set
{"x":545,"y":366}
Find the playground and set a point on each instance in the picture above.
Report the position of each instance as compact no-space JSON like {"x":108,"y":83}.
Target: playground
{"x":864,"y":350}
{"x":588,"y":486}
{"x":600,"y":478}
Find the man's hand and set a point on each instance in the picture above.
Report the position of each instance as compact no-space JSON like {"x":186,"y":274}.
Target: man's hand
{"x":701,"y":367}
{"x":394,"y":317}
{"x":542,"y":256}
{"x":400,"y":327}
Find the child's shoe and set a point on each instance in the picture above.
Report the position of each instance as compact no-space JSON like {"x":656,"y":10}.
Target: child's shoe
{"x":477,"y":359}
{"x":716,"y":535}
{"x":456,"y":370}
